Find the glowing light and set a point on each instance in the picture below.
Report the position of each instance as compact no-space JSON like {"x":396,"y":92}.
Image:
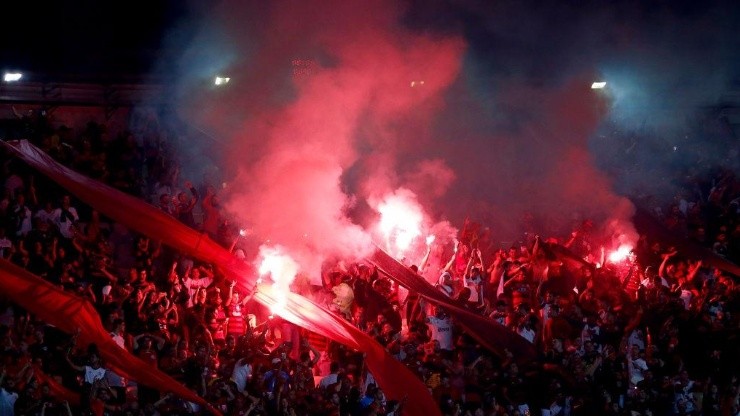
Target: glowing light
{"x":620,"y":254}
{"x":243,"y":232}
{"x":280,"y":302}
{"x":430,"y":239}
{"x":12,"y":76}
{"x":282,"y":270}
{"x":598,"y":85}
{"x":400,"y":219}
{"x":221,"y":80}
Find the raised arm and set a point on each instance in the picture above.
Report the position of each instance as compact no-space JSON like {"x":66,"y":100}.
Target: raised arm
{"x":536,"y":247}
{"x":173,"y":317}
{"x":693,"y":271}
{"x":572,"y":240}
{"x":172,"y":276}
{"x":425,"y":260}
{"x":108,"y":275}
{"x":661,"y":269}
{"x":208,"y":274}
{"x":53,"y":250}
{"x":469,"y":266}
{"x":315,"y":354}
{"x":193,"y":192}
{"x":227,"y":302}
{"x":73,"y":365}
{"x":32,"y":198}
{"x":479,"y":253}
{"x":448,"y":266}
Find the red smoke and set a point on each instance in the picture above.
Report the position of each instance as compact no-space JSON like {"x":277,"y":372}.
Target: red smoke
{"x":302,"y":134}
{"x":311,"y":152}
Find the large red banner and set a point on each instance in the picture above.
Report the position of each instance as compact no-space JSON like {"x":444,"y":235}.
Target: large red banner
{"x":396,"y":380}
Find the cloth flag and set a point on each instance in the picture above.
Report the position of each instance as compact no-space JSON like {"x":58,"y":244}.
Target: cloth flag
{"x":393,"y":377}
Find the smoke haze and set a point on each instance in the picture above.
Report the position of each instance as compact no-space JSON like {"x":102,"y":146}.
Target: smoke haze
{"x":481,"y":109}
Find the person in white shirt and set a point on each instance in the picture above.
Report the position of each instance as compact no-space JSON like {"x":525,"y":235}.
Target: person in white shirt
{"x":118,"y":334}
{"x":8,"y":395}
{"x":445,"y":284}
{"x":93,"y":374}
{"x":21,"y":216}
{"x":636,"y":338}
{"x":440,"y":326}
{"x":653,"y":281}
{"x":241,"y":374}
{"x":683,"y":402}
{"x":196,"y":278}
{"x":331,"y":378}
{"x":636,"y":365}
{"x":591,"y":330}
{"x":65,"y":218}
{"x":474,"y":276}
{"x":46,"y":213}
{"x":526,"y":331}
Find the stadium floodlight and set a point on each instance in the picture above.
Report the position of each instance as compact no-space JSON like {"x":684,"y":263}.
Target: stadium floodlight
{"x":221,"y":80}
{"x":12,"y":76}
{"x":598,"y":85}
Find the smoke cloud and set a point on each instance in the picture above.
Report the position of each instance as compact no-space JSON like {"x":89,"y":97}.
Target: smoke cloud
{"x":314,"y":122}
{"x":481,"y":110}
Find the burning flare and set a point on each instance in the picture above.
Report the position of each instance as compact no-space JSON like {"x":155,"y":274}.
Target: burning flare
{"x":282,"y":270}
{"x":620,"y":254}
{"x":401,"y":218}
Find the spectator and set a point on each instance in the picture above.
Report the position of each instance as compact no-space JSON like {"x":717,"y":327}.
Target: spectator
{"x":65,"y":218}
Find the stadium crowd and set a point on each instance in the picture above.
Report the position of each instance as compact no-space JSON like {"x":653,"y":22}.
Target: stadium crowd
{"x":653,"y":335}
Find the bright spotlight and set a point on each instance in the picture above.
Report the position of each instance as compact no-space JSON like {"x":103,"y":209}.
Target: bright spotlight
{"x":12,"y":76}
{"x":221,"y":80}
{"x":598,"y":85}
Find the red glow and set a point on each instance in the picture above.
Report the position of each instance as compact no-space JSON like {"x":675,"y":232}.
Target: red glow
{"x":401,"y":219}
{"x":282,"y":269}
{"x":620,"y":254}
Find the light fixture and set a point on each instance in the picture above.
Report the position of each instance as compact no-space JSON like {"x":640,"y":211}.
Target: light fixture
{"x":12,"y":76}
{"x":598,"y":85}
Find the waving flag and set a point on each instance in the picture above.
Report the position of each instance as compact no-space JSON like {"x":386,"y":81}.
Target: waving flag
{"x":396,"y":380}
{"x":488,"y":332}
{"x":69,"y":313}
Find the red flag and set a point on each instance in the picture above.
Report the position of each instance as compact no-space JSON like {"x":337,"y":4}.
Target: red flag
{"x":488,"y":332}
{"x":70,"y":313}
{"x":397,"y":381}
{"x":56,"y":389}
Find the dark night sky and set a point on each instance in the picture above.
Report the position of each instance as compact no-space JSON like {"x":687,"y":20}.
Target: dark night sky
{"x":537,"y":39}
{"x":86,"y":38}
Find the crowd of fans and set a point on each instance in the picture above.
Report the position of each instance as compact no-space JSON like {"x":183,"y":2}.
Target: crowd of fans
{"x":653,"y":335}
